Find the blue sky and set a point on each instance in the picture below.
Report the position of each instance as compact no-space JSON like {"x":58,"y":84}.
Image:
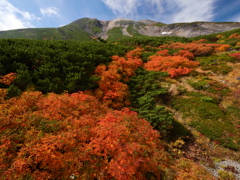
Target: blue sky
{"x":17,"y":14}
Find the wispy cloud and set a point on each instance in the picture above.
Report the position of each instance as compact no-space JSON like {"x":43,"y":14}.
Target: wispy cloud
{"x":130,"y":8}
{"x":192,"y":10}
{"x":13,"y":18}
{"x":163,"y":10}
{"x":122,"y":7}
{"x":49,"y":11}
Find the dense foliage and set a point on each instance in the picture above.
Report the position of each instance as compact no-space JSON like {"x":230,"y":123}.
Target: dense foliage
{"x":137,"y":108}
{"x":55,"y":66}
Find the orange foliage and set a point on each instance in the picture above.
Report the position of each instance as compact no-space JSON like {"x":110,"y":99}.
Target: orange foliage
{"x":73,"y":135}
{"x":185,"y":53}
{"x":224,"y":47}
{"x":164,"y":52}
{"x":8,"y":78}
{"x":200,"y":41}
{"x":3,"y":93}
{"x":198,"y":49}
{"x":111,"y":91}
{"x":238,"y":44}
{"x":234,"y":36}
{"x":174,"y":65}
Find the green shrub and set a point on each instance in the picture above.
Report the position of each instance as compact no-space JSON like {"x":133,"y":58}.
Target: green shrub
{"x":13,"y":91}
{"x":209,"y":119}
{"x":145,"y":89}
{"x":198,"y":85}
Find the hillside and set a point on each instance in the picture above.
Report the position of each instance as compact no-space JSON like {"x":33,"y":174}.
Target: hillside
{"x":86,"y":28}
{"x":136,"y":108}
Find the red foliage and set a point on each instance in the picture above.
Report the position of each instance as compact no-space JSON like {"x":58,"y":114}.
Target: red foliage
{"x":236,"y":55}
{"x":174,"y":65}
{"x":58,"y":136}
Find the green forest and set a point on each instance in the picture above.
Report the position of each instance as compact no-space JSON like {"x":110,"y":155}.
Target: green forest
{"x":134,"y":108}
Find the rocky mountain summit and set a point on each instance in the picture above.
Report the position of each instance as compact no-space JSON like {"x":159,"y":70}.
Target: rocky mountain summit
{"x":87,"y":28}
{"x":129,"y":27}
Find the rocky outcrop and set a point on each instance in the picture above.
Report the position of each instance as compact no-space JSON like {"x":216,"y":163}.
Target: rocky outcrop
{"x":153,"y":28}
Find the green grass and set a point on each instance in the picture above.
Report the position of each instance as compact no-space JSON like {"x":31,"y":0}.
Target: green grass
{"x":208,"y":118}
{"x":115,"y":34}
{"x":159,"y":24}
{"x":131,"y":30}
{"x":71,"y":32}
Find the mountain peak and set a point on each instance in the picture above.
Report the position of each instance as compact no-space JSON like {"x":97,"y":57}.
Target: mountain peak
{"x":85,"y":28}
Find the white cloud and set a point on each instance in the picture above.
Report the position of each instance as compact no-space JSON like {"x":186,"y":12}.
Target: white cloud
{"x":49,"y":11}
{"x":164,"y":10}
{"x":13,"y":18}
{"x":122,"y":7}
{"x":129,"y":8}
{"x":193,"y":10}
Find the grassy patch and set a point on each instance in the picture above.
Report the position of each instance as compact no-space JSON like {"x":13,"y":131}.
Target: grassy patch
{"x":216,"y":64}
{"x":209,"y":119}
{"x":115,"y":34}
{"x":214,"y":87}
{"x":131,"y":30}
{"x":219,"y":68}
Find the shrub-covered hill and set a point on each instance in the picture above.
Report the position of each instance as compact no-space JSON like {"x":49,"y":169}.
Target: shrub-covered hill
{"x":138,"y":108}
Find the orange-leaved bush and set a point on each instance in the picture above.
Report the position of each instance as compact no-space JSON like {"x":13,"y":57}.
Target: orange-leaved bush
{"x":112,"y":91}
{"x":185,"y":53}
{"x":198,"y":49}
{"x":223,"y":47}
{"x":74,"y":136}
{"x":163,"y":52}
{"x":174,"y":65}
{"x":8,"y":78}
{"x":234,"y":36}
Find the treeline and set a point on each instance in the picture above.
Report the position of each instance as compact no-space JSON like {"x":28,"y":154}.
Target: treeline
{"x":54,"y":66}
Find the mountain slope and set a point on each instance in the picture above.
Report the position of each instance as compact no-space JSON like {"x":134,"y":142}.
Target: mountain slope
{"x":86,"y":28}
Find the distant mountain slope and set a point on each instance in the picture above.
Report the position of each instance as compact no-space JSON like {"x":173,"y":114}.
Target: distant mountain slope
{"x":86,"y":28}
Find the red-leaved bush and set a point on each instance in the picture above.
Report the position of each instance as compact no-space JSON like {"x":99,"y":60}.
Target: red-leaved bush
{"x":236,"y":55}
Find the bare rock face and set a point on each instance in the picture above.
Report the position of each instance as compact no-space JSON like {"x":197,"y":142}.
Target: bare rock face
{"x":153,"y":28}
